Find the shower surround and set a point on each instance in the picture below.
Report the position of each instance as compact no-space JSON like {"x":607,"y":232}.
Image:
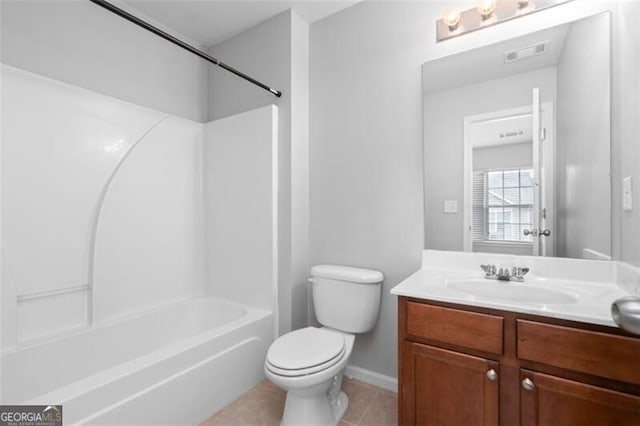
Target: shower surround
{"x":124,"y":230}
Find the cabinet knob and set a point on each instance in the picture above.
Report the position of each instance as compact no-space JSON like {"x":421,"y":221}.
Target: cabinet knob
{"x":492,"y":375}
{"x":528,"y":384}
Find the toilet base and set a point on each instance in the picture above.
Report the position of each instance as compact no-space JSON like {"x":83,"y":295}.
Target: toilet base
{"x":340,"y":406}
{"x":316,"y":410}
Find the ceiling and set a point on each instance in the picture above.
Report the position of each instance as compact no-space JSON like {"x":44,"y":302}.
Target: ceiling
{"x":208,"y":22}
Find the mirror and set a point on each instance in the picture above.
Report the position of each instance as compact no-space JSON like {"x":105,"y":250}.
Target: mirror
{"x":517,"y":145}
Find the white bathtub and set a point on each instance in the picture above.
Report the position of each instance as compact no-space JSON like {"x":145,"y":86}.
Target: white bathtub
{"x":174,"y":365}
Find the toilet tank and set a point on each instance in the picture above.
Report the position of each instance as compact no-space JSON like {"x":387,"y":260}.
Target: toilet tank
{"x":346,"y":298}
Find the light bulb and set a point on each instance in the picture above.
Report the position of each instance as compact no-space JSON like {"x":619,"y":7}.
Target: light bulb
{"x":451,"y":18}
{"x":486,"y":8}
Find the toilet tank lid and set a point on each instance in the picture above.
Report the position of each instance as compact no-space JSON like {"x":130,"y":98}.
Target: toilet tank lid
{"x":347,"y":273}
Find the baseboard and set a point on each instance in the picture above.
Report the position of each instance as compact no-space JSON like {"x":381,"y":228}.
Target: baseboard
{"x":372,"y":378}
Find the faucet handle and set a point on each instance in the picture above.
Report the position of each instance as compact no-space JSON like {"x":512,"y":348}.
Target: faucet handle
{"x":518,"y":273}
{"x":489,"y":270}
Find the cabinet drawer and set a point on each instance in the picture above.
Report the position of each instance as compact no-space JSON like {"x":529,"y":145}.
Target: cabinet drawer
{"x":468,"y":329}
{"x":600,"y":354}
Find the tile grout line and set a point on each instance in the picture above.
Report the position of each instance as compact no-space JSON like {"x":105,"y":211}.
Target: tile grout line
{"x":369,"y":405}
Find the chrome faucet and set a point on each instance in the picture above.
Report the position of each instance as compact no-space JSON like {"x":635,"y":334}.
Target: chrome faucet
{"x":516,"y":273}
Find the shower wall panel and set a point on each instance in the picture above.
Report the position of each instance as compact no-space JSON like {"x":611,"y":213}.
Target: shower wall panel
{"x":149,"y":241}
{"x":241,"y":186}
{"x":62,"y":145}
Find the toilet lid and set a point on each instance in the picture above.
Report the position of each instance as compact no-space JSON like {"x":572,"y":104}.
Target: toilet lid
{"x":304,"y":348}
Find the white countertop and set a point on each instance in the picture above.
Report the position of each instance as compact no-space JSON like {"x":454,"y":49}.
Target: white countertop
{"x":591,"y":300}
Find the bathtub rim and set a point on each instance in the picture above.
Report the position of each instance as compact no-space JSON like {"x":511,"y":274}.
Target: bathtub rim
{"x":86,"y":328}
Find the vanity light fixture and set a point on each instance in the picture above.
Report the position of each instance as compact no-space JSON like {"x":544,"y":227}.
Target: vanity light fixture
{"x":486,"y":7}
{"x":485,"y":14}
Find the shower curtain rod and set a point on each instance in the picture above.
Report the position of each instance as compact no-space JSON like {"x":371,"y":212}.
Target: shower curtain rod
{"x":157,"y":31}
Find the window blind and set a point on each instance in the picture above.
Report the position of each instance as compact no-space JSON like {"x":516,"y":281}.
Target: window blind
{"x":479,"y":206}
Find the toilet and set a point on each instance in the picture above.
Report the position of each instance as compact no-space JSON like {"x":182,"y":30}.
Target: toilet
{"x":309,"y":363}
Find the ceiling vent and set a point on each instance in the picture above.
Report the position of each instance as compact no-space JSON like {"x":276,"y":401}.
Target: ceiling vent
{"x":526,"y":52}
{"x":511,"y":134}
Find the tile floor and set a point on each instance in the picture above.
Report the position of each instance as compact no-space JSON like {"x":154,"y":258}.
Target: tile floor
{"x":263,"y":404}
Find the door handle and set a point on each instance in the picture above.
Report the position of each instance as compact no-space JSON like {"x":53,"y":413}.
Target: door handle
{"x":537,"y":232}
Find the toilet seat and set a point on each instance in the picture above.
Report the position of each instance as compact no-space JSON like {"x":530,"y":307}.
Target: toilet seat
{"x":305,"y":351}
{"x":305,"y":371}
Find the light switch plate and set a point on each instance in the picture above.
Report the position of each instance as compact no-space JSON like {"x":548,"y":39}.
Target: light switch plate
{"x":450,"y":206}
{"x":627,"y":194}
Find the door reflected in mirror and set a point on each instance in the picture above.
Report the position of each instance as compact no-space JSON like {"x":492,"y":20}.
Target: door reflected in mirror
{"x":518,"y":134}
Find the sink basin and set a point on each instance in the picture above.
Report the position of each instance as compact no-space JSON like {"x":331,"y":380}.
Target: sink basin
{"x":512,"y":292}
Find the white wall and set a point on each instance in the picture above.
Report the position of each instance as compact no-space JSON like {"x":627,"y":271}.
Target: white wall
{"x":444,"y":113}
{"x":365,"y":152}
{"x":83,"y":44}
{"x":240,"y":192}
{"x":264,"y":53}
{"x":299,"y":172}
{"x":583,"y":139}
{"x":503,"y":156}
{"x":626,"y":129}
{"x":276,"y":53}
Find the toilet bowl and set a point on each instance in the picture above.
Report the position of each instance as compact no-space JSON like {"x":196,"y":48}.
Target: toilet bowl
{"x":309,"y":363}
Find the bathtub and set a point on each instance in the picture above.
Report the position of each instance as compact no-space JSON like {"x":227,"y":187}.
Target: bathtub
{"x":174,"y":365}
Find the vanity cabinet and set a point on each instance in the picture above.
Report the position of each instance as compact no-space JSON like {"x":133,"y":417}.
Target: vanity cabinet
{"x":463,"y":365}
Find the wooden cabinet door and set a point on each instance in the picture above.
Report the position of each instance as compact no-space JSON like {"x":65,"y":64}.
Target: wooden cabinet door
{"x":441,"y":387}
{"x":549,"y":400}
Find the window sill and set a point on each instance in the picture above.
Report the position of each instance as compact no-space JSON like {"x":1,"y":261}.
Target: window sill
{"x":504,"y":243}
